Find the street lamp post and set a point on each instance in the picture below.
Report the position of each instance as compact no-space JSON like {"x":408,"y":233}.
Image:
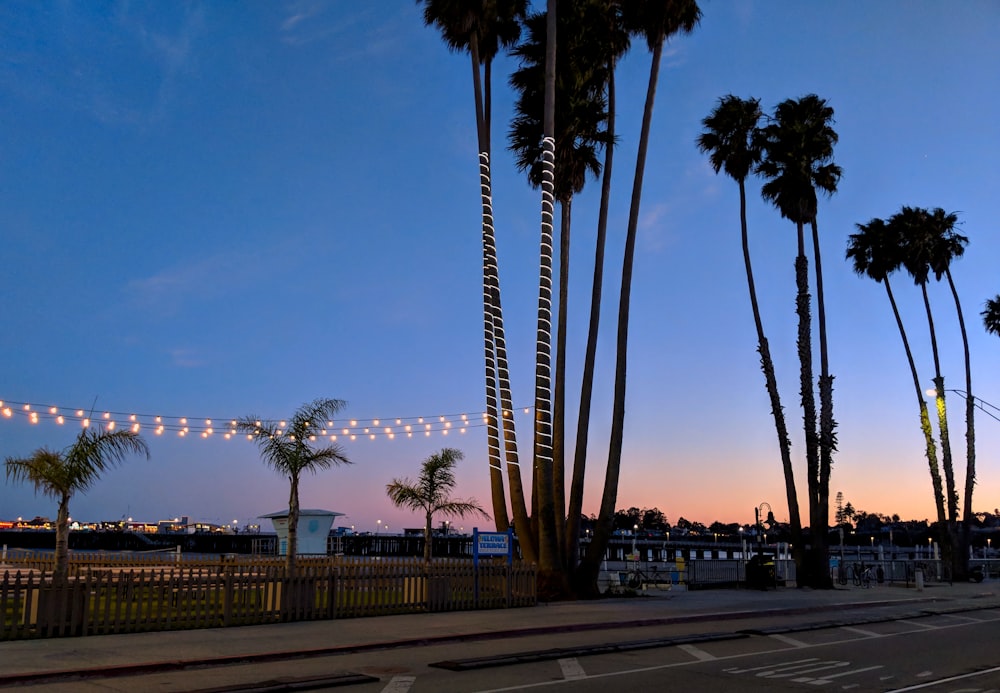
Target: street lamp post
{"x":769,"y":520}
{"x":991,"y":410}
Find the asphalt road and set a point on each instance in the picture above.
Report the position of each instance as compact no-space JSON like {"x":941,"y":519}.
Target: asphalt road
{"x":883,"y":651}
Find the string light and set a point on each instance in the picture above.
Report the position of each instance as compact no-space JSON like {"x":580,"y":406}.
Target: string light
{"x":160,"y":425}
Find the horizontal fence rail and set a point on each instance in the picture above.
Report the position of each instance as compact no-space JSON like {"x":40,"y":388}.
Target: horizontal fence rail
{"x":102,"y":597}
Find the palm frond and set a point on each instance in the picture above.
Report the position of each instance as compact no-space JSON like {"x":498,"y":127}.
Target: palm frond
{"x":991,"y":315}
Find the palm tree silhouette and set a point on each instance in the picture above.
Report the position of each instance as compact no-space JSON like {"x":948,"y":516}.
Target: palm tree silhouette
{"x":431,"y":493}
{"x":656,"y":21}
{"x":580,"y":115}
{"x":606,"y":40}
{"x":991,"y":315}
{"x":729,"y":140}
{"x":950,"y":246}
{"x":288,"y":448}
{"x":797,"y":153}
{"x":923,"y":247}
{"x":876,"y":252}
{"x":61,"y":475}
{"x":483,"y":29}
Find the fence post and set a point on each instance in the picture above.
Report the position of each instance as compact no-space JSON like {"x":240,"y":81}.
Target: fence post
{"x":227,"y":600}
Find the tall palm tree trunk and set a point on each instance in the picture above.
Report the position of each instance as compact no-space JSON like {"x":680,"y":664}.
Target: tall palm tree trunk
{"x":609,"y":497}
{"x":771,"y":383}
{"x":942,"y":412}
{"x":543,"y":492}
{"x":827,"y":424}
{"x":499,"y":502}
{"x":970,"y":433}
{"x":559,"y":394}
{"x":925,"y":420}
{"x":814,"y":575}
{"x":590,"y":358}
{"x":497,"y":493}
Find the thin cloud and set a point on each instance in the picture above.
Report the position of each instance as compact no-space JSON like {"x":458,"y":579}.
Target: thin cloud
{"x":186,"y":358}
{"x":208,"y":278}
{"x":654,"y":232}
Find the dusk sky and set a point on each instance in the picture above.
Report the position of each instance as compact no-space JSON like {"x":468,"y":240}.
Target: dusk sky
{"x":212,"y":210}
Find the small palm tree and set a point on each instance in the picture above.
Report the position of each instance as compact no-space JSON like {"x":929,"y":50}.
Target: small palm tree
{"x":431,"y":492}
{"x":288,"y":448}
{"x":991,"y":316}
{"x":61,"y":475}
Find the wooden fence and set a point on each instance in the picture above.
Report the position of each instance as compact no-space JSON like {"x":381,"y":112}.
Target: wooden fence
{"x":103,"y":599}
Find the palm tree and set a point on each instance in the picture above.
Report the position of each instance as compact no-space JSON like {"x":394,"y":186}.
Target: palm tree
{"x":288,"y":448}
{"x":580,"y":114}
{"x":656,"y":20}
{"x":729,"y":140}
{"x":921,"y":248}
{"x":542,"y":499}
{"x":482,"y":29}
{"x":61,"y":475}
{"x":950,"y":245}
{"x":608,"y":38}
{"x":991,"y":315}
{"x":876,"y":252}
{"x":797,"y":153}
{"x":431,"y":492}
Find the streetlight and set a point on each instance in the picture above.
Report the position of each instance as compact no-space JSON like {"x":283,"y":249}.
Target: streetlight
{"x":977,"y":402}
{"x":769,"y":520}
{"x":378,"y":526}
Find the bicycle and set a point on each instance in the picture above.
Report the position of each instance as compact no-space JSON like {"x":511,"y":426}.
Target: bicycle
{"x":867,"y":578}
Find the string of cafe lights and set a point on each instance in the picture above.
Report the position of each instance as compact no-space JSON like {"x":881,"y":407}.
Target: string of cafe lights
{"x":340,"y":430}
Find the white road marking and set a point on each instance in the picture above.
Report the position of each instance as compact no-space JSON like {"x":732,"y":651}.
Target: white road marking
{"x":736,"y":670}
{"x":571,"y":669}
{"x":925,"y":626}
{"x":697,"y":652}
{"x":399,"y":684}
{"x":788,"y":641}
{"x":820,"y":667}
{"x":852,"y":672}
{"x":947,"y":680}
{"x":862,"y":631}
{"x":676,"y":665}
{"x":790,"y":669}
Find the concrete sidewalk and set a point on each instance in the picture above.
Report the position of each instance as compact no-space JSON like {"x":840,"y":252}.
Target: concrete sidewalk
{"x":31,"y":660}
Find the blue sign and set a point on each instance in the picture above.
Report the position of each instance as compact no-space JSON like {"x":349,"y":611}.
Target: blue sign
{"x":493,"y":543}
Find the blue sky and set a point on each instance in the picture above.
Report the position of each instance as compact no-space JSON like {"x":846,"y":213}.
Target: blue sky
{"x":220,"y":209}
